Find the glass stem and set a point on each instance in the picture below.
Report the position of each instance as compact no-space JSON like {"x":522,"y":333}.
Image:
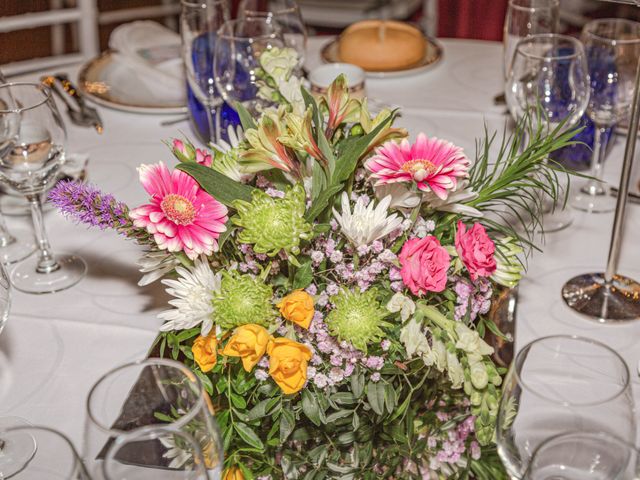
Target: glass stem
{"x":211,"y":124}
{"x":6,"y":238}
{"x":594,"y":187}
{"x":46,"y":261}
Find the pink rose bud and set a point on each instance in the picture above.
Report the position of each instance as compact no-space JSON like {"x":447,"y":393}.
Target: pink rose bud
{"x":476,"y":250}
{"x":424,"y":265}
{"x":183,"y":151}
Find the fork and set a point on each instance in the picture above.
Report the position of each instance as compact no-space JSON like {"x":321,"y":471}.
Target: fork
{"x":75,"y":115}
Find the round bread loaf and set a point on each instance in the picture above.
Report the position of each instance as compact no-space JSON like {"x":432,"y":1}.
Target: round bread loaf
{"x":377,"y":45}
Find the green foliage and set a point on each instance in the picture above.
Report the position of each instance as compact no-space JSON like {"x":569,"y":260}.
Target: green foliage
{"x":219,"y":186}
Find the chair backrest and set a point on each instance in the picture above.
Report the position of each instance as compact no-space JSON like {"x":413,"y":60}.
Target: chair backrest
{"x":83,"y":14}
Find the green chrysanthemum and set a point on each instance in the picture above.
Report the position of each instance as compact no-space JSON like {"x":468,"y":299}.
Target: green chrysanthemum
{"x":242,"y":299}
{"x":357,"y":317}
{"x":273,"y":224}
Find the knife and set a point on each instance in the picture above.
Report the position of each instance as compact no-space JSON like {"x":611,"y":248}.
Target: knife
{"x":87,"y":111}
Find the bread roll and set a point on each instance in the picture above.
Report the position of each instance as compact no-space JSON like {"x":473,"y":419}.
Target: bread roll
{"x":377,"y":45}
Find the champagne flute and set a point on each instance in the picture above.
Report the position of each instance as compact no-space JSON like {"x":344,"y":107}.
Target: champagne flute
{"x":613,"y":49}
{"x":240,"y":43}
{"x":561,"y":384}
{"x":199,"y":22}
{"x":287,"y":16}
{"x":31,"y":154}
{"x":549,"y":72}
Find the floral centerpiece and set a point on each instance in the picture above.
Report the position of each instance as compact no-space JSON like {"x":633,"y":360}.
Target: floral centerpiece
{"x":331,"y":281}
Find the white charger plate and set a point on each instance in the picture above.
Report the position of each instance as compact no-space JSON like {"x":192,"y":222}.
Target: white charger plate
{"x":113,"y":84}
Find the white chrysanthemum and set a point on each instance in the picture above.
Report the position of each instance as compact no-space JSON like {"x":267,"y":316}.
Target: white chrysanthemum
{"x":194,"y":292}
{"x":455,"y":202}
{"x":155,"y":264}
{"x":401,"y":196}
{"x":366,"y":223}
{"x":178,"y":455}
{"x":226,"y":154}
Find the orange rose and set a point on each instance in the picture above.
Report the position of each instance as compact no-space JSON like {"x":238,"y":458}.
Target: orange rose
{"x":249,"y":342}
{"x":297,"y":307}
{"x":233,"y":473}
{"x":205,"y":351}
{"x":288,"y":364}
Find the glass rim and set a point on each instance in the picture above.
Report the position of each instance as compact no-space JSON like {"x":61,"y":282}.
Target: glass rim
{"x":46,"y":92}
{"x":587,"y":30}
{"x":281,"y":11}
{"x":552,"y":4}
{"x":527,"y":349}
{"x":232,"y":23}
{"x":200,"y":3}
{"x":182,"y":421}
{"x":539,"y":36}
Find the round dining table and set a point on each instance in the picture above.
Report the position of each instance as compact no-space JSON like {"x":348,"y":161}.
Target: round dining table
{"x":55,"y":347}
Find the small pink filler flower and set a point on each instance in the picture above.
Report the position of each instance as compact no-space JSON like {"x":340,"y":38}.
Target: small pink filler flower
{"x":434,"y":165}
{"x":181,"y":216}
{"x":424,"y":265}
{"x":476,"y":250}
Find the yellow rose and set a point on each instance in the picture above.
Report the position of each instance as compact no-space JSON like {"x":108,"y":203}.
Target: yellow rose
{"x":288,"y":364}
{"x":297,"y":307}
{"x":249,"y":342}
{"x":205,"y":351}
{"x":233,"y":473}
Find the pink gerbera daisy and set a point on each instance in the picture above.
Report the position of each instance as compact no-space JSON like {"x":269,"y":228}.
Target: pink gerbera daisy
{"x":434,"y":165}
{"x":181,"y":216}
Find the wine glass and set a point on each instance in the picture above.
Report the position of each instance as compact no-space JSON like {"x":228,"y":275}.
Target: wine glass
{"x":549,"y":74}
{"x":613,"y":47}
{"x":199,"y":22}
{"x":162,"y":449}
{"x":51,"y":455}
{"x":286,"y":14}
{"x":525,"y":18}
{"x":5,"y":297}
{"x":239,"y":45}
{"x":31,"y":154}
{"x":584,"y":456}
{"x":561,"y":384}
{"x":153,"y":392}
{"x":16,"y":450}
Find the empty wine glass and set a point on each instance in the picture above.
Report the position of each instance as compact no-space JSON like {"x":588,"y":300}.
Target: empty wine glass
{"x":239,"y":45}
{"x":549,"y":73}
{"x":286,"y":14}
{"x":584,"y":456}
{"x":139,"y":455}
{"x":31,"y":154}
{"x":561,"y":384}
{"x":613,"y":48}
{"x":17,"y":449}
{"x":199,"y":22}
{"x":525,"y":18}
{"x":153,"y":392}
{"x":5,"y":297}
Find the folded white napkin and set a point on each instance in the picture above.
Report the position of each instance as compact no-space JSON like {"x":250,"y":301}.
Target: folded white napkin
{"x":152,"y":53}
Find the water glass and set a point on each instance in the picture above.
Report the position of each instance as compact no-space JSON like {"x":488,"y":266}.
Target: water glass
{"x":561,"y":384}
{"x":613,"y":49}
{"x":153,"y":392}
{"x":525,"y":18}
{"x":32,"y":141}
{"x":584,"y":456}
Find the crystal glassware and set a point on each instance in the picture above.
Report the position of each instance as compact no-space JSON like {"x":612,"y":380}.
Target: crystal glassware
{"x":612,"y":46}
{"x":164,"y":449}
{"x":31,"y":154}
{"x":154,"y":392}
{"x":16,"y":449}
{"x":549,"y":75}
{"x":584,"y":456}
{"x":51,"y":455}
{"x":561,"y":384}
{"x":5,"y":297}
{"x":199,"y":22}
{"x":239,"y":45}
{"x":525,"y":18}
{"x":286,"y":15}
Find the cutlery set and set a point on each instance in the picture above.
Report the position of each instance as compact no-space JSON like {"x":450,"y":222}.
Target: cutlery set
{"x":79,"y":112}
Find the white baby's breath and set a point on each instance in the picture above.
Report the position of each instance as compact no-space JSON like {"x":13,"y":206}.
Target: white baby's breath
{"x":366,"y":223}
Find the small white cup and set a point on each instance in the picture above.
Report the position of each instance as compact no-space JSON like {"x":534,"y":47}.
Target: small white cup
{"x":322,"y":77}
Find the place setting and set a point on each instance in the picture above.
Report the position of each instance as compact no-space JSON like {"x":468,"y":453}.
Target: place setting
{"x":228,"y":253}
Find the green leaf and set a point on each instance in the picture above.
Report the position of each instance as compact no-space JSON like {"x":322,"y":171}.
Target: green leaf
{"x":248,"y":435}
{"x":310,"y":407}
{"x":246,"y":473}
{"x":344,"y":398}
{"x":390,"y":398}
{"x":338,"y":415}
{"x":238,"y":401}
{"x":357,"y":384}
{"x":303,"y":277}
{"x":259,"y":410}
{"x":375,"y":396}
{"x":245,"y":117}
{"x":219,"y":186}
{"x":206,"y":381}
{"x":287,"y":424}
{"x":321,"y":202}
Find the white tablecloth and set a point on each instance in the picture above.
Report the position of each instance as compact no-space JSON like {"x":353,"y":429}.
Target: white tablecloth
{"x":56,"y":346}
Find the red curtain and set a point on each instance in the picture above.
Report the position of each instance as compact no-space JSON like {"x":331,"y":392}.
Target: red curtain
{"x":479,"y":19}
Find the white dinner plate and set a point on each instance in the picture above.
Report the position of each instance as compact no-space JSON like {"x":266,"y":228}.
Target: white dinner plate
{"x":115,"y":85}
